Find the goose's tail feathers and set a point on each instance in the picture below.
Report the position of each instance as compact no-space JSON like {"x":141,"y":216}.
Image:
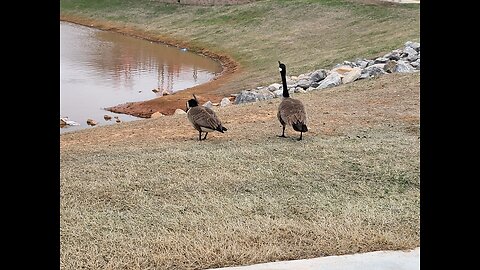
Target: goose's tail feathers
{"x":300,"y":127}
{"x":221,"y":128}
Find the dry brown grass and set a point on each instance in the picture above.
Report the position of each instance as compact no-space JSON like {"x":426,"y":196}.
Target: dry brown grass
{"x":148,"y":195}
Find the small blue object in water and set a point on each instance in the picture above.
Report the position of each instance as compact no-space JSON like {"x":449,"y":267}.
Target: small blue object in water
{"x":183,"y":49}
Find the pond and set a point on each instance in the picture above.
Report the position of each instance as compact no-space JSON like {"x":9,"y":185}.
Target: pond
{"x":100,"y":69}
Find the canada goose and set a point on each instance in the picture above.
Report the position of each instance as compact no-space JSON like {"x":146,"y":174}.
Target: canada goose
{"x":203,"y":119}
{"x":290,"y":111}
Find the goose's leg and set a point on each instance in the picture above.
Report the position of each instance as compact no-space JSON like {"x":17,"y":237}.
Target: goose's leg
{"x":205,"y":135}
{"x":283,"y":133}
{"x":299,"y":139}
{"x":199,"y":135}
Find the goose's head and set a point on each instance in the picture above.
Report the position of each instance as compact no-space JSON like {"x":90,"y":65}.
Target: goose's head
{"x":192,"y":103}
{"x":282,"y":68}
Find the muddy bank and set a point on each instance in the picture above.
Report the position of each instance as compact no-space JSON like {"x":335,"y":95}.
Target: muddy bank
{"x":166,"y":104}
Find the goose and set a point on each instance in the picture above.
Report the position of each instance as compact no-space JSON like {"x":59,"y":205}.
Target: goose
{"x":290,"y":111}
{"x":203,"y":119}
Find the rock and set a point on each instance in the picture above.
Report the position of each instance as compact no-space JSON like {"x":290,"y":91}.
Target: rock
{"x":348,"y":63}
{"x":264,"y":94}
{"x":156,"y":115}
{"x":352,"y":75}
{"x":253,"y":95}
{"x":118,"y":120}
{"x":107,"y":117}
{"x":274,"y":86}
{"x":179,"y":111}
{"x":342,"y":69}
{"x":91,"y":122}
{"x":333,"y":79}
{"x":413,"y":45}
{"x":362,"y":63}
{"x":208,"y":104}
{"x":412,"y":57}
{"x":291,"y":83}
{"x":372,"y":71}
{"x":390,"y":66}
{"x":304,"y":83}
{"x":299,"y":90}
{"x":380,"y":60}
{"x":225,"y":102}
{"x":303,"y":77}
{"x":318,"y":75}
{"x":416,"y":64}
{"x":370,"y":63}
{"x":404,"y":67}
{"x":278,"y":93}
{"x":410,"y":52}
{"x":245,"y":96}
{"x":65,"y":122}
{"x":393,"y":55}
{"x":398,"y":60}
{"x":156,"y":90}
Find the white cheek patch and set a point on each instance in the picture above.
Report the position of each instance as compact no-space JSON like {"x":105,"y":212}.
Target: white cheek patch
{"x":280,"y":69}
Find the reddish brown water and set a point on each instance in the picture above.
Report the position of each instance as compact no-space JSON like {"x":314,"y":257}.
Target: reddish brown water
{"x":99,"y":69}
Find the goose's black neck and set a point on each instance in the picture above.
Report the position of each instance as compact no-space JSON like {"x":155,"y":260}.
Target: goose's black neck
{"x":283,"y":72}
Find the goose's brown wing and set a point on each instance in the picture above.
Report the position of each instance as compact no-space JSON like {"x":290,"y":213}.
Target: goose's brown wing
{"x":201,"y":117}
{"x":291,"y":111}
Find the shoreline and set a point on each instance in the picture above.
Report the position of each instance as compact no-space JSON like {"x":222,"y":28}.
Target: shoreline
{"x":165,"y":104}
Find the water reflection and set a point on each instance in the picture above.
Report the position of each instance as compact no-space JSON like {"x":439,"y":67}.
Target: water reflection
{"x":100,"y":69}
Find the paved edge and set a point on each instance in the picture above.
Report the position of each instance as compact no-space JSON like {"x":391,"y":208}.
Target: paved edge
{"x":377,"y":260}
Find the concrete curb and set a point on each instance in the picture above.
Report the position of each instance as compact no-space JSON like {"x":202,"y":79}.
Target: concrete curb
{"x":377,"y":260}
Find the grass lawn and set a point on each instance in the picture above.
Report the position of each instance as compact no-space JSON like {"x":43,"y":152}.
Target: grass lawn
{"x":147,"y":195}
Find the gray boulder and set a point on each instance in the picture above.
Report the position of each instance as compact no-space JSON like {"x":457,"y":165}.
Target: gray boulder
{"x":225,"y":102}
{"x":245,"y":96}
{"x":304,"y":83}
{"x":333,"y":79}
{"x":208,"y":104}
{"x":404,"y":67}
{"x":318,"y":75}
{"x":413,"y":45}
